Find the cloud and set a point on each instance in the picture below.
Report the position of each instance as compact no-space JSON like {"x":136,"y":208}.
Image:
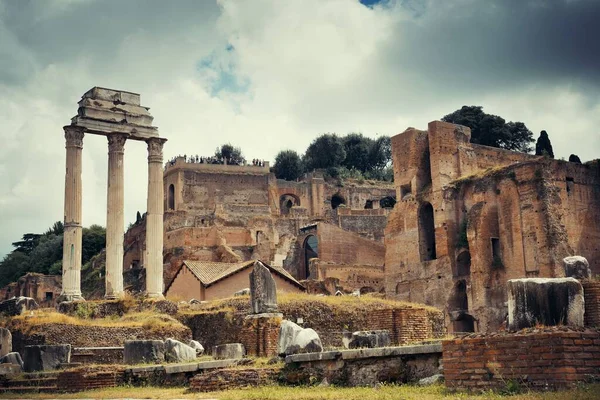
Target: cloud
{"x":269,"y":75}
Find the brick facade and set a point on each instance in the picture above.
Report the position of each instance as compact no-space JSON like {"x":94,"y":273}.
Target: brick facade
{"x":80,"y":380}
{"x":591,"y":293}
{"x":260,"y":335}
{"x":552,"y":358}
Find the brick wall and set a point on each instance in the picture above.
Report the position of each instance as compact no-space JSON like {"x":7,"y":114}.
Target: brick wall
{"x":260,"y":335}
{"x":591,"y":293}
{"x":77,"y":381}
{"x":548,"y":358}
{"x":225,"y":379}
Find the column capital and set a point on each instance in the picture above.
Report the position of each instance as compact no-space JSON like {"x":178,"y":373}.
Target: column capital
{"x":116,"y":142}
{"x":74,"y":135}
{"x":155,"y":146}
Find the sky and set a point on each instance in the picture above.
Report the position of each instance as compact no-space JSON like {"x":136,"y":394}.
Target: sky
{"x":268,"y":75}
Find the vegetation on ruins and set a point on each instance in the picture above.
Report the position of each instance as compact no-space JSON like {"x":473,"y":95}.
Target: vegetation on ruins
{"x":42,"y":253}
{"x":288,"y":165}
{"x":543,"y":147}
{"x":492,"y":130}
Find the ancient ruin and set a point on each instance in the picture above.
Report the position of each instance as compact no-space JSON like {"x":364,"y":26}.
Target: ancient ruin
{"x":119,"y":116}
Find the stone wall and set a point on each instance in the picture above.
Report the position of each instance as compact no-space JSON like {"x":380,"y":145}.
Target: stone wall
{"x":591,"y":293}
{"x":226,"y":379}
{"x":542,"y":359}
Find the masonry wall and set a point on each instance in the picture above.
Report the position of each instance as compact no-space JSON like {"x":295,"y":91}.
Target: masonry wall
{"x":551,"y":359}
{"x":337,"y":246}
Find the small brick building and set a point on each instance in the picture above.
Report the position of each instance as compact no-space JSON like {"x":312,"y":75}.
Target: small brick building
{"x":207,"y":280}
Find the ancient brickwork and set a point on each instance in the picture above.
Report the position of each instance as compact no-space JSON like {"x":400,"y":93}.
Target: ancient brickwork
{"x":260,"y":335}
{"x":226,"y":379}
{"x":80,"y":380}
{"x":44,"y":289}
{"x":591,"y":293}
{"x":479,"y":217}
{"x":550,"y":359}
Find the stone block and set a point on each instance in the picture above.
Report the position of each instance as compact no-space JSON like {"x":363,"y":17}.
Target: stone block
{"x":197,"y":347}
{"x":263,"y":292}
{"x":545,"y":301}
{"x":229,"y":351}
{"x":5,"y":342}
{"x":577,"y":267}
{"x":178,"y":352}
{"x":10,"y":369}
{"x":12,"y":358}
{"x":368,"y":339}
{"x":294,"y":339}
{"x":46,"y":357}
{"x":143,"y":352}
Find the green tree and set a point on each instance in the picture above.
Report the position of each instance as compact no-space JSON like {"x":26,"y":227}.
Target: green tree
{"x":27,"y":243}
{"x":93,"y":241}
{"x":492,"y":130}
{"x":326,"y":151}
{"x":232,"y":154}
{"x":288,"y":165}
{"x":543,"y":147}
{"x":357,"y":148}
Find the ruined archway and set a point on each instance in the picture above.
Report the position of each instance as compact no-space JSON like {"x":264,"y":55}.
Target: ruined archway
{"x":286,"y":202}
{"x":171,"y":198}
{"x":311,"y":250}
{"x":337,"y":200}
{"x":387,"y":202}
{"x":426,"y":232}
{"x":463,"y":264}
{"x":459,"y":300}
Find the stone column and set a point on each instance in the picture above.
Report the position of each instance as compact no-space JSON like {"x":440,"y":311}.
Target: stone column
{"x":114,"y":217}
{"x":154,"y":220}
{"x":71,"y":264}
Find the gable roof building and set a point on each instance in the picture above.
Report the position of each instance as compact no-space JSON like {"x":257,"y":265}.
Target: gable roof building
{"x":208,"y":280}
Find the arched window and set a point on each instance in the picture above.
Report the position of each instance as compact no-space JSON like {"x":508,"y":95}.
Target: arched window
{"x":286,"y":202}
{"x":337,"y":200}
{"x":387,"y":202}
{"x":311,"y":250}
{"x":426,"y":232}
{"x":171,"y":197}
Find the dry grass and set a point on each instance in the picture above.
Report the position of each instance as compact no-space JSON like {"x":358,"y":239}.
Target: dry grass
{"x":385,"y":392}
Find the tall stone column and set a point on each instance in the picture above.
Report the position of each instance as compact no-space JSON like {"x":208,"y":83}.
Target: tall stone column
{"x":71,"y":264}
{"x":114,"y":217}
{"x":154,"y":220}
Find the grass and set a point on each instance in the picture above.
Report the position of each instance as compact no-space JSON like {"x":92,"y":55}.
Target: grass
{"x":383,"y":392}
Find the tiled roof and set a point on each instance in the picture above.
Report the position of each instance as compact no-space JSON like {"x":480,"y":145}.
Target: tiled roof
{"x":209,"y":272}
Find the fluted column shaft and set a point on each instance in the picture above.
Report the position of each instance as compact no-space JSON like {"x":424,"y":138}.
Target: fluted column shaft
{"x":154,"y":220}
{"x":71,"y":265}
{"x":115,"y":217}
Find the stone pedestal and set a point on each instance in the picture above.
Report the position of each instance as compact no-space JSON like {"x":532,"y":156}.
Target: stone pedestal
{"x":260,"y":334}
{"x":71,"y":264}
{"x":114,"y":217}
{"x":154,"y":220}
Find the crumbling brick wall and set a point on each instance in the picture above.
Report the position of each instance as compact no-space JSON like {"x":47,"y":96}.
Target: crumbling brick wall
{"x":548,"y":358}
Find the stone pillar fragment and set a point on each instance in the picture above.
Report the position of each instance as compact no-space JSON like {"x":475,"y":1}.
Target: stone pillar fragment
{"x":71,"y":264}
{"x":114,"y":217}
{"x":154,"y":220}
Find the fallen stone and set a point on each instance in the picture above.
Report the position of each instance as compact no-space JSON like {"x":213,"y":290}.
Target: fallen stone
{"x":229,"y":351}
{"x":431,"y":380}
{"x":263,"y":292}
{"x":9,"y":369}
{"x":544,"y":301}
{"x":178,"y":352}
{"x":143,"y":352}
{"x":368,"y":339}
{"x":197,"y":346}
{"x":12,"y":358}
{"x":243,"y":292}
{"x":46,"y":357}
{"x":577,"y":267}
{"x":17,"y":305}
{"x":294,"y":339}
{"x":5,"y":342}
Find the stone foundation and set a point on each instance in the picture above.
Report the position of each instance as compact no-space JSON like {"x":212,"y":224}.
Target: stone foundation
{"x":226,"y":379}
{"x":539,"y":360}
{"x":77,"y":381}
{"x":260,"y":334}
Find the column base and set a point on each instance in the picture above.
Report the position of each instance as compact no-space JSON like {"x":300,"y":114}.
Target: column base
{"x":114,"y":296}
{"x":69,"y":297}
{"x":157,"y":296}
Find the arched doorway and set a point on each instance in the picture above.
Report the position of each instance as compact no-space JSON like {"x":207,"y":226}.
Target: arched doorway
{"x":387,"y":202}
{"x":286,"y":202}
{"x":426,"y":232}
{"x":337,"y":200}
{"x":171,"y":197}
{"x":311,"y":250}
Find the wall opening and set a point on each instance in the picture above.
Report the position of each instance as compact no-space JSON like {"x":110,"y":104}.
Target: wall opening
{"x":286,"y":202}
{"x":337,"y":200}
{"x":387,"y":202}
{"x":49,"y":296}
{"x":464,"y":323}
{"x":369,"y":205}
{"x":426,"y":232}
{"x":570,"y":184}
{"x":459,"y":300}
{"x":405,"y":190}
{"x":463,"y":264}
{"x":311,"y":250}
{"x":171,"y":197}
{"x":496,"y":254}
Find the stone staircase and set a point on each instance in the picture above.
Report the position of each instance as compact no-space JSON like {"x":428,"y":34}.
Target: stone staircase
{"x":30,"y":383}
